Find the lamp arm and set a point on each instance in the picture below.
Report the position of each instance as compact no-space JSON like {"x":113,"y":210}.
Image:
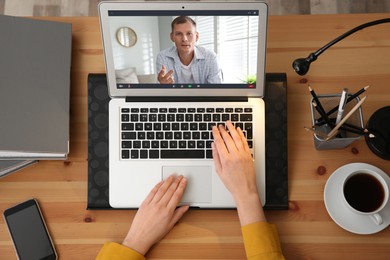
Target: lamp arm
{"x":345,"y":35}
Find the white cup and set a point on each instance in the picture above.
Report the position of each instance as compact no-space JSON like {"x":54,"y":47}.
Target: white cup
{"x":366,"y":192}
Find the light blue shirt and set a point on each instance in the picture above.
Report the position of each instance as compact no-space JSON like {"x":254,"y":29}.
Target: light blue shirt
{"x":204,"y":66}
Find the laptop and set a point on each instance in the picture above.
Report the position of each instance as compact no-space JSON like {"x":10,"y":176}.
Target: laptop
{"x":162,"y":108}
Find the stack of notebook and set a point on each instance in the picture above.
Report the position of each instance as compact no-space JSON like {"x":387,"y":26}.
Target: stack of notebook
{"x":35,"y":89}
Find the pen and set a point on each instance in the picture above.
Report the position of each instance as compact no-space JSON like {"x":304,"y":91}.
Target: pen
{"x":315,"y":98}
{"x":360,"y":131}
{"x":343,"y":102}
{"x":351,"y":97}
{"x":334,"y":131}
{"x":323,"y":114}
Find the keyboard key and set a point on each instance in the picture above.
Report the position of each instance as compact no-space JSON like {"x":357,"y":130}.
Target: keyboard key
{"x":246,"y":117}
{"x":200,"y":144}
{"x":129,"y":135}
{"x":173,"y":144}
{"x":125,"y":154}
{"x":127,"y":126}
{"x":136,"y":144}
{"x":134,"y":154}
{"x":184,"y":126}
{"x":189,"y":117}
{"x":134,"y":118}
{"x":164,"y":144}
{"x":125,"y":118}
{"x":182,"y":154}
{"x":148,"y":126}
{"x":234,"y":117}
{"x":154,"y":154}
{"x":150,"y":135}
{"x":155,"y":144}
{"x":175,"y":126}
{"x":126,"y":144}
{"x":182,"y":144}
{"x":159,"y":135}
{"x":143,"y":117}
{"x":157,"y":126}
{"x":145,"y":144}
{"x":143,"y":154}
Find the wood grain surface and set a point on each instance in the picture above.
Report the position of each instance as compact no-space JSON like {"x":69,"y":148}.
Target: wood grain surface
{"x":306,"y":229}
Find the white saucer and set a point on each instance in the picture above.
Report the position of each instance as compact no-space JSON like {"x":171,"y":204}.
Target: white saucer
{"x":344,"y":217}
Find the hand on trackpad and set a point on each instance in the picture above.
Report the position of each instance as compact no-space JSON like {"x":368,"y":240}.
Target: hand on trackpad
{"x":198,"y":182}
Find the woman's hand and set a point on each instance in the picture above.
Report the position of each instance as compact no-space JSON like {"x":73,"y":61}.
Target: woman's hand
{"x":234,"y":165}
{"x":157,"y":214}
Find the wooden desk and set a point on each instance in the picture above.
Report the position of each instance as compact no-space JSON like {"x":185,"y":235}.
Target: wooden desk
{"x":306,"y":230}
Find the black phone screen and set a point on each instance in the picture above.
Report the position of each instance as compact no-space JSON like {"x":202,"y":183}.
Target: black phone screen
{"x":28,"y":231}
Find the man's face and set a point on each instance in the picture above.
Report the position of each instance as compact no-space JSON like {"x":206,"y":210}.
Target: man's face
{"x":184,"y":36}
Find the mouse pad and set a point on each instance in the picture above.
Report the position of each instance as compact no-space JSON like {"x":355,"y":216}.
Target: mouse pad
{"x":275,"y":135}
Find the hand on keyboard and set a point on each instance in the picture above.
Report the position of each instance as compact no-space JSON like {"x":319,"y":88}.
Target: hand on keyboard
{"x":234,"y":165}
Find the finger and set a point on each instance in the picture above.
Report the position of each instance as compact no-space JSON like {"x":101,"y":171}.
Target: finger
{"x":230,"y":145}
{"x":163,"y":188}
{"x":219,"y":142}
{"x":178,"y":193}
{"x":169,"y":73}
{"x":152,"y":193}
{"x":166,"y":198}
{"x":216,"y":159}
{"x":162,"y":71}
{"x":235,"y":136}
{"x":243,"y":139}
{"x":168,"y":77}
{"x":179,"y":212}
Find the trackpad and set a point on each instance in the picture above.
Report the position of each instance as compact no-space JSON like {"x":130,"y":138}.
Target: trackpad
{"x":198,"y":182}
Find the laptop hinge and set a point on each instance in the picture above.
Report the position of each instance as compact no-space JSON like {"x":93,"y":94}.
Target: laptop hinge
{"x":186,"y":99}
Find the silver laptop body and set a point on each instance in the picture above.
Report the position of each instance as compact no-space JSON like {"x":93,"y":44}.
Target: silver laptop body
{"x":134,"y":34}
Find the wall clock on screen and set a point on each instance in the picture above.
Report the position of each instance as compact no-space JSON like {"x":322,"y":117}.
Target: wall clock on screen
{"x":126,"y":36}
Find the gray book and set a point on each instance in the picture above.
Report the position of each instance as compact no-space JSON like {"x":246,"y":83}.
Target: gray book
{"x":35,"y":88}
{"x":8,"y":167}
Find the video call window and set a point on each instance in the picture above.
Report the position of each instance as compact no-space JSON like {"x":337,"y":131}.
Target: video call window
{"x":232,"y":38}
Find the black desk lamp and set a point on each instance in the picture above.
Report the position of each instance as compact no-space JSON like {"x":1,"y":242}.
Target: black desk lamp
{"x":379,"y":122}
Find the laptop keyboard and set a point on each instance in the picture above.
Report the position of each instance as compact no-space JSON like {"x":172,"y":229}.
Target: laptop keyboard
{"x":177,"y":133}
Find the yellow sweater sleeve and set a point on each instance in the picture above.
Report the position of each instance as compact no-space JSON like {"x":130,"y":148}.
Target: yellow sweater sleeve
{"x":115,"y":251}
{"x":261,"y":241}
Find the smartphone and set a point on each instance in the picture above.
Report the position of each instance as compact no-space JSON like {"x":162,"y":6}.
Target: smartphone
{"x":29,"y":232}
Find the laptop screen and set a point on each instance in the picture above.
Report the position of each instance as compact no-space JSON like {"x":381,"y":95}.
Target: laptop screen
{"x":191,"y":48}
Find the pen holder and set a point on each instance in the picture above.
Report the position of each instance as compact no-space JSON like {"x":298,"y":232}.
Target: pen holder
{"x":343,"y":138}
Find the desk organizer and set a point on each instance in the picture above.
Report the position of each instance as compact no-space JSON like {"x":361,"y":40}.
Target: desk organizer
{"x":344,"y":138}
{"x":275,"y":141}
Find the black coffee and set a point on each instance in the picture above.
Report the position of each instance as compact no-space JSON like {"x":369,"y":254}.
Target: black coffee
{"x":364,"y":192}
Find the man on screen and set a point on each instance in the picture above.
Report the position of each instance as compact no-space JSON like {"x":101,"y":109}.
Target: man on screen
{"x":186,"y":62}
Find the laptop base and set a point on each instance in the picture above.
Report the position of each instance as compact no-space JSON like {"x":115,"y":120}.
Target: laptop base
{"x":275,"y":135}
